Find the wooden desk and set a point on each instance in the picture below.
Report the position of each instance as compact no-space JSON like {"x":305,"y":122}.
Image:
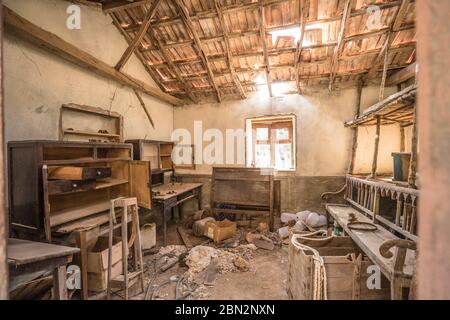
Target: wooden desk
{"x":28,"y":256}
{"x":171,"y":195}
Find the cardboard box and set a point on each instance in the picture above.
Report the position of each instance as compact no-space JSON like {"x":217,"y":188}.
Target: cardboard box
{"x":220,"y":230}
{"x":98,"y":281}
{"x":98,"y":256}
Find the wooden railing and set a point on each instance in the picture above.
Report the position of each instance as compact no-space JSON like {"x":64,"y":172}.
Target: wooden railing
{"x":390,"y":205}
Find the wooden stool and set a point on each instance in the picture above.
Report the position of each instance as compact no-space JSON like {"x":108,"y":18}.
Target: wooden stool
{"x":127,"y":279}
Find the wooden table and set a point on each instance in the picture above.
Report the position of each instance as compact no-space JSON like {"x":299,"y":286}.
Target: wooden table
{"x":171,"y":195}
{"x":26,"y":257}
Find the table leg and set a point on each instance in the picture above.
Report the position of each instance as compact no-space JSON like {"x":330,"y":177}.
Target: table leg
{"x":166,"y":212}
{"x":59,"y":283}
{"x":199,"y":198}
{"x":83,"y":264}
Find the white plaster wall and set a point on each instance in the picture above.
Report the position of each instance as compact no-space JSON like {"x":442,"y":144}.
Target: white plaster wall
{"x":37,"y":82}
{"x":323,"y":143}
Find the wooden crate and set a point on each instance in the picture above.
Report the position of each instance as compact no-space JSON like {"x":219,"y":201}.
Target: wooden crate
{"x":346,"y":279}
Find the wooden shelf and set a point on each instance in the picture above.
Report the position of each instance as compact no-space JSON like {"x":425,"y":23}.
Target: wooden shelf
{"x":86,"y":133}
{"x":80,"y":161}
{"x":109,"y":182}
{"x":60,"y":217}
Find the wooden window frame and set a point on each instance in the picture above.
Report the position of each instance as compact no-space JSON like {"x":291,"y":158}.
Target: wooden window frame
{"x":273,"y":123}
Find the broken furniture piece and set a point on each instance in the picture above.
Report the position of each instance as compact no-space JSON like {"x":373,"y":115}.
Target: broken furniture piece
{"x":171,"y":195}
{"x":78,"y":213}
{"x":28,"y":257}
{"x":245,"y":192}
{"x":125,"y":280}
{"x":76,"y":123}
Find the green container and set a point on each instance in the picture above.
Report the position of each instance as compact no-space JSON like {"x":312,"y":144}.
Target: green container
{"x":401,"y":165}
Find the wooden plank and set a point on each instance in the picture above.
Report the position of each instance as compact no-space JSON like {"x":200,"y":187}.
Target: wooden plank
{"x":184,"y":238}
{"x":139,"y":36}
{"x":78,"y":212}
{"x":26,"y":30}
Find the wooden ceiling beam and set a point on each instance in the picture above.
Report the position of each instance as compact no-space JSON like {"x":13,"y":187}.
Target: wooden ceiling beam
{"x":402,"y":75}
{"x":340,"y":41}
{"x":201,"y":52}
{"x":120,"y":5}
{"x":140,"y":56}
{"x":262,"y":35}
{"x":234,"y":76}
{"x":139,"y":36}
{"x":26,"y":30}
{"x":397,"y":21}
{"x":303,"y":14}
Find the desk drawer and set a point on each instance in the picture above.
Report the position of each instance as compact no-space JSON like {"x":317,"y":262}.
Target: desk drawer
{"x":67,"y":186}
{"x":78,"y":173}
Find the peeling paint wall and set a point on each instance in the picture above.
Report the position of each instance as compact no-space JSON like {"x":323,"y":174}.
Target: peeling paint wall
{"x":37,"y":83}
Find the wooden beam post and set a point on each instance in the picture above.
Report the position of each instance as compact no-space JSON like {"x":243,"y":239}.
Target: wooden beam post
{"x":24,"y":29}
{"x":413,"y":163}
{"x":262,"y":35}
{"x":3,"y":216}
{"x":402,"y":137}
{"x":375,"y":149}
{"x":234,"y":76}
{"x":141,"y":101}
{"x":340,"y":42}
{"x":139,"y":36}
{"x":355,"y":129}
{"x":184,"y":13}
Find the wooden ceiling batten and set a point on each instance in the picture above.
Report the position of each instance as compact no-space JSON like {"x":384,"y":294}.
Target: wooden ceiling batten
{"x":230,"y":44}
{"x":228,"y":50}
{"x":190,"y":28}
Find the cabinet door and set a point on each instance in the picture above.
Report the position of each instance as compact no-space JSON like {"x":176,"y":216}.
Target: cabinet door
{"x":140,"y":180}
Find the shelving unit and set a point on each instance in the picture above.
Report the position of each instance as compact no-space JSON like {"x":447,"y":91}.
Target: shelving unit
{"x":76,"y":122}
{"x":159,"y":153}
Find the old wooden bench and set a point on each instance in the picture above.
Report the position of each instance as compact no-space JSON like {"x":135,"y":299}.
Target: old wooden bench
{"x":370,"y":201}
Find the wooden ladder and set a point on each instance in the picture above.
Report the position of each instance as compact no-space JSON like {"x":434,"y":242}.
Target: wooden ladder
{"x":127,"y":278}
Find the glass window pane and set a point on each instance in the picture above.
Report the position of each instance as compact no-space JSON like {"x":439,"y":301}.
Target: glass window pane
{"x":262,"y":155}
{"x":283,"y":156}
{"x":262,"y":133}
{"x":282,"y":134}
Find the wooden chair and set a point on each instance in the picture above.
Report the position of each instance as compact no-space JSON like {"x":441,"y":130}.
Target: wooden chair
{"x":127,"y":279}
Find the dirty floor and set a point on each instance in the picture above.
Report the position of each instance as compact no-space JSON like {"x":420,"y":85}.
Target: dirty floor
{"x":266,"y":278}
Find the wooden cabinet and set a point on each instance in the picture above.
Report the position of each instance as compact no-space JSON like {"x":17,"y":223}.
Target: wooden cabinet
{"x":43,"y":203}
{"x":158,"y":153}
